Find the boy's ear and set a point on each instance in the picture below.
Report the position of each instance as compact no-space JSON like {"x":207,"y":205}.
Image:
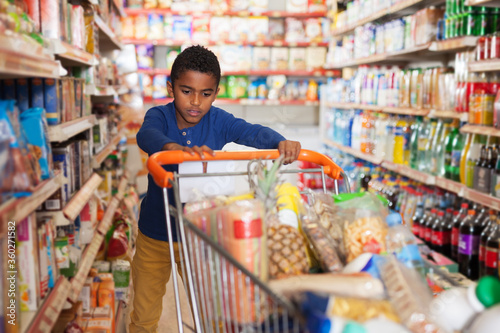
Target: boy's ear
{"x":170,"y":89}
{"x":217,"y":91}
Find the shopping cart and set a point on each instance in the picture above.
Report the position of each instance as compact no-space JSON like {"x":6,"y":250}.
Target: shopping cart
{"x":226,"y":297}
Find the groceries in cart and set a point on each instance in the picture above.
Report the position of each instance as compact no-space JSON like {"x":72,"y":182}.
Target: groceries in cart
{"x":276,"y":260}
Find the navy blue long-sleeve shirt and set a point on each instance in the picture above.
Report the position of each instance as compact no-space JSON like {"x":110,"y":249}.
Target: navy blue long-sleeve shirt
{"x":216,"y":129}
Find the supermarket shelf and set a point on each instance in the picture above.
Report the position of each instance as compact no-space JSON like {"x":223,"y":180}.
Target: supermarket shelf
{"x":70,"y":55}
{"x":492,"y":65}
{"x":169,"y":42}
{"x":107,"y":219}
{"x":315,"y":72}
{"x":163,"y":11}
{"x":86,"y":262}
{"x":478,"y":129}
{"x":419,"y":176}
{"x":353,"y":152}
{"x":453,"y":44}
{"x":80,"y":198}
{"x":451,"y":186}
{"x":242,"y":101}
{"x":65,"y":131}
{"x":101,"y":156}
{"x":485,"y":3}
{"x":107,"y":38}
{"x":21,"y":58}
{"x":49,"y":311}
{"x":398,"y":10}
{"x":122,"y":186}
{"x":448,"y":115}
{"x":119,"y":7}
{"x":385,"y":109}
{"x":385,"y":57}
{"x":482,"y":198}
{"x":18,"y":209}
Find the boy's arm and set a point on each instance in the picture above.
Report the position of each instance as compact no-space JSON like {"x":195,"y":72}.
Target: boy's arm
{"x":151,"y":137}
{"x":260,"y":137}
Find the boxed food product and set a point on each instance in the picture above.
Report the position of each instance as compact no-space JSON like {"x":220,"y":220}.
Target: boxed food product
{"x":295,"y":30}
{"x":315,"y":57}
{"x":128,"y":27}
{"x":146,"y":84}
{"x":164,"y":3}
{"x":297,"y":6}
{"x":279,"y":58}
{"x":220,"y":27}
{"x":27,"y":264}
{"x":258,"y":6}
{"x":230,"y":56}
{"x":219,"y":5}
{"x":239,"y":5}
{"x":77,"y":26}
{"x":159,"y":86}
{"x":181,"y":27}
{"x":22,"y":94}
{"x":52,"y":100}
{"x":78,"y":85}
{"x":84,"y":296}
{"x":145,"y":56}
{"x":168,"y":26}
{"x":36,"y":93}
{"x":135,"y":4}
{"x":121,"y":276}
{"x":150,"y":4}
{"x":258,"y":28}
{"x":276,"y":29}
{"x":314,"y":30}
{"x":43,"y":260}
{"x":33,"y":11}
{"x":201,"y":27}
{"x":237,"y":86}
{"x":156,"y":29}
{"x":317,"y":6}
{"x":50,"y":14}
{"x":261,"y":57}
{"x":141,"y":27}
{"x":240,"y":29}
{"x":297,"y":60}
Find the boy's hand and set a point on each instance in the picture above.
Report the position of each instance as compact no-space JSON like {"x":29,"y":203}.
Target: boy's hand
{"x":192,"y":150}
{"x":291,"y":150}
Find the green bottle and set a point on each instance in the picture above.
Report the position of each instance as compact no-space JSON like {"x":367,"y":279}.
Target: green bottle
{"x":415,"y":130}
{"x":440,"y":151}
{"x":431,"y":149}
{"x":448,"y":142}
{"x":424,"y":138}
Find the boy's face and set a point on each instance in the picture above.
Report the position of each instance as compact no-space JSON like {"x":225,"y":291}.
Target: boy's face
{"x":193,"y":93}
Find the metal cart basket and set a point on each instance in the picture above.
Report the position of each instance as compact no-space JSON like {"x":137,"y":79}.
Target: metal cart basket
{"x":225,"y":297}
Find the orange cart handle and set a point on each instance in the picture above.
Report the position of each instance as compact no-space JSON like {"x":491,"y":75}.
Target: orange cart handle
{"x":162,"y":177}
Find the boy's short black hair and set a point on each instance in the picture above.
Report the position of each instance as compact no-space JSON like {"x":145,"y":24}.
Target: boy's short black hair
{"x":196,"y":58}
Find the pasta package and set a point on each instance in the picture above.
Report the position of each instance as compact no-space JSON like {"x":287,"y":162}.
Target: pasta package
{"x":323,"y":246}
{"x":365,"y":234}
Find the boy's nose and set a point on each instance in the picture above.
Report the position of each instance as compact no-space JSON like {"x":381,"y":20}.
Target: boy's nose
{"x":195,"y":100}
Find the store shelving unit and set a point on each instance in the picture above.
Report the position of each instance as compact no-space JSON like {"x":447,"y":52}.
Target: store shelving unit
{"x":169,"y":42}
{"x":478,"y":129}
{"x":485,"y":3}
{"x":67,"y":130}
{"x":46,"y":317}
{"x":242,"y":101}
{"x":397,"y":10}
{"x":101,"y":156}
{"x":107,"y":219}
{"x":119,"y":7}
{"x":274,"y":13}
{"x":491,"y":65}
{"x":367,"y":157}
{"x":80,"y":198}
{"x":107,"y":38}
{"x":404,"y":170}
{"x":21,"y":58}
{"x":385,"y":109}
{"x":453,"y":44}
{"x":18,"y":209}
{"x":70,"y":55}
{"x":314,"y":72}
{"x":448,"y":115}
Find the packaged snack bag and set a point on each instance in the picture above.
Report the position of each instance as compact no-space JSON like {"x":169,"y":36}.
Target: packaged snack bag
{"x":220,"y":27}
{"x":156,"y":29}
{"x":201,"y":27}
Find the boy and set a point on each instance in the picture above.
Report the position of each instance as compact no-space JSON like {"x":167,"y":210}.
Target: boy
{"x":190,"y":123}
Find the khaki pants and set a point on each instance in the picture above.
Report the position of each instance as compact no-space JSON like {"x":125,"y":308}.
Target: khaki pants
{"x":151,"y":269}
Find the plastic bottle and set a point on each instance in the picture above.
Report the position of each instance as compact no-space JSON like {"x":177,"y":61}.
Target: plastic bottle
{"x":491,"y":257}
{"x":390,"y":132}
{"x":423,"y":138}
{"x":478,"y":181}
{"x":490,"y":222}
{"x":434,"y":146}
{"x":472,"y":158}
{"x":429,"y":146}
{"x":454,"y":308}
{"x":415,"y":132}
{"x":428,"y":227}
{"x":381,"y":136}
{"x":400,"y":141}
{"x":356,"y":131}
{"x":463,"y":159}
{"x":458,"y":218}
{"x":454,"y":147}
{"x":440,"y":152}
{"x":419,"y":213}
{"x":468,"y":246}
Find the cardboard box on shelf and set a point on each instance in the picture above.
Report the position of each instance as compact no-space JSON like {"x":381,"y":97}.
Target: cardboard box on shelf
{"x":36,"y":93}
{"x":261,"y":58}
{"x":220,"y":27}
{"x":297,"y":60}
{"x":258,"y":28}
{"x":240,"y":29}
{"x":297,"y":6}
{"x":279,"y":58}
{"x":316,"y":57}
{"x":52,"y":100}
{"x":181,"y":29}
{"x":201,"y":27}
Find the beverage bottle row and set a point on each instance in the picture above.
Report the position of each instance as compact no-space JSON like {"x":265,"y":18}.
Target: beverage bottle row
{"x":462,"y":231}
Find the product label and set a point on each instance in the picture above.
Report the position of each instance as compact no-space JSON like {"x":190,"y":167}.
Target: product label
{"x":422,"y":143}
{"x":448,"y":158}
{"x":415,"y":228}
{"x":441,"y":238}
{"x":244,"y":229}
{"x":468,"y":244}
{"x":482,"y":252}
{"x":483,"y":180}
{"x":496,"y":189}
{"x":456,"y":155}
{"x":491,"y":257}
{"x":428,"y":234}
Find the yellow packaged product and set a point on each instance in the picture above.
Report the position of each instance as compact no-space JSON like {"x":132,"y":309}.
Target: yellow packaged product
{"x":364,"y":234}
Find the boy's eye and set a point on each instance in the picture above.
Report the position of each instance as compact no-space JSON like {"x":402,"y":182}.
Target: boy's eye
{"x":185,"y":92}
{"x":207,"y":94}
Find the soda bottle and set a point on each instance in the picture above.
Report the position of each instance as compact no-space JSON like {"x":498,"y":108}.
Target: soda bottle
{"x":463,"y":158}
{"x":426,"y":216}
{"x":440,"y":152}
{"x":478,"y":180}
{"x":453,"y":150}
{"x":390,"y":133}
{"x":401,"y":142}
{"x":428,"y":227}
{"x":495,"y":185}
{"x":472,"y":158}
{"x":482,"y":242}
{"x":419,"y":213}
{"x":381,"y":136}
{"x":492,"y":248}
{"x":426,"y":163}
{"x":415,"y":132}
{"x":458,"y":218}
{"x":441,"y":235}
{"x":468,"y":246}
{"x":431,"y":152}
